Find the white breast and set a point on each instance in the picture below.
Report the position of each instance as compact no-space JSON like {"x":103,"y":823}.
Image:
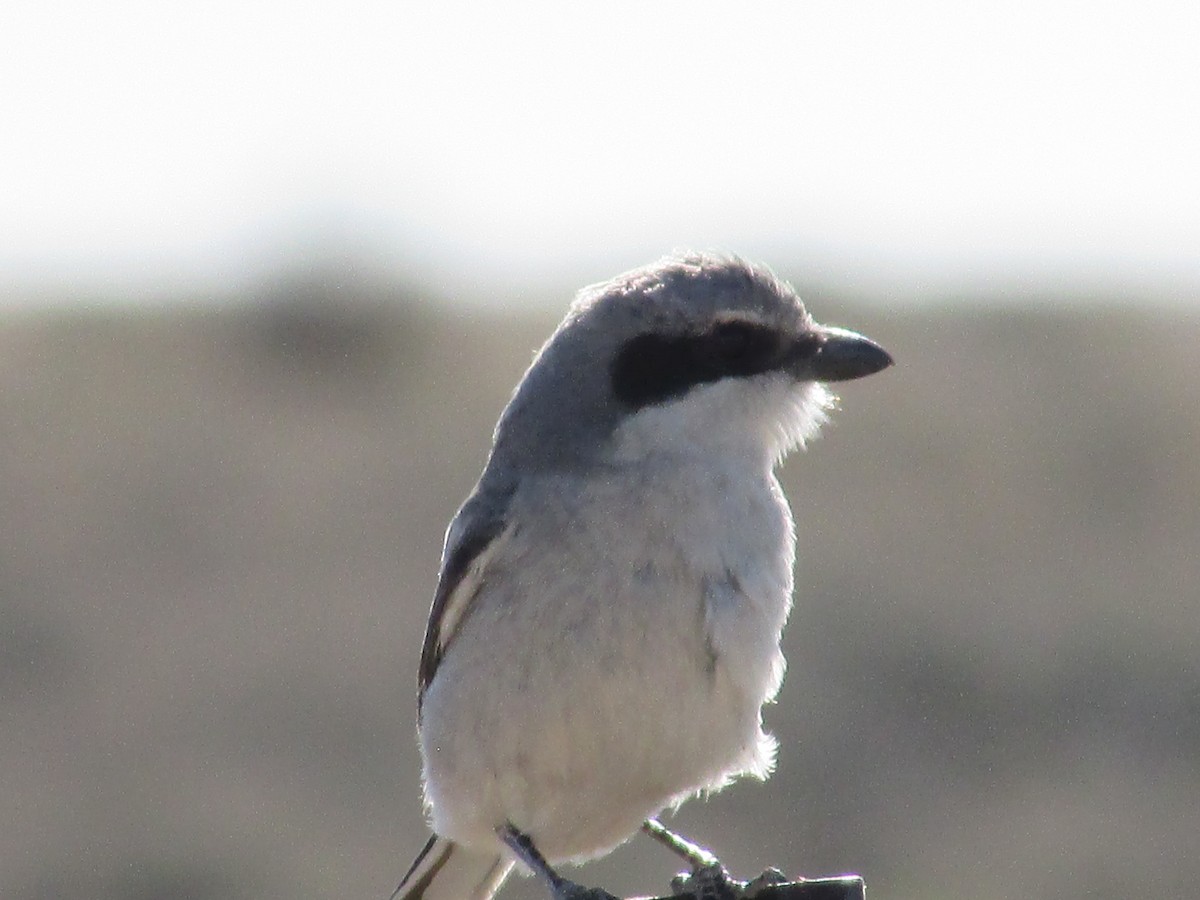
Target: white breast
{"x":615,"y":658}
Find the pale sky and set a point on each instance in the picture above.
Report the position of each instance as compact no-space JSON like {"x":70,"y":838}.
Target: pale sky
{"x":497,"y":148}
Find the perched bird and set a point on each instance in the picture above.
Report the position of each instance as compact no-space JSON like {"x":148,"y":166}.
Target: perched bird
{"x":606,"y":625}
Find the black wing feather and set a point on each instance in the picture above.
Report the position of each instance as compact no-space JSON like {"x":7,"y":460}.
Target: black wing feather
{"x":486,"y":511}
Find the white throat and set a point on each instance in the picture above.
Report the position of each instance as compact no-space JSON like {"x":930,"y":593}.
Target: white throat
{"x":759,"y":420}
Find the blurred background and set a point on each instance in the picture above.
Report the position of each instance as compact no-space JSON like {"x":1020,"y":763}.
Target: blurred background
{"x":268,"y":273}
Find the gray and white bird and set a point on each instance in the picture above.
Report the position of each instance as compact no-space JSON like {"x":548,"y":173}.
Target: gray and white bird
{"x":606,"y":626}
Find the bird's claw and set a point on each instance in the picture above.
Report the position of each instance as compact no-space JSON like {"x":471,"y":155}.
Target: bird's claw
{"x":769,"y":878}
{"x":714,"y":883}
{"x":707,"y":883}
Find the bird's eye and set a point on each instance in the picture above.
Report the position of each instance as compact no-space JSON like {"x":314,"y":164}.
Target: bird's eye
{"x":734,"y":340}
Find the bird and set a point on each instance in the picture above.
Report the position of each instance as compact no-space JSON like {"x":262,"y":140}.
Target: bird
{"x":607,"y":620}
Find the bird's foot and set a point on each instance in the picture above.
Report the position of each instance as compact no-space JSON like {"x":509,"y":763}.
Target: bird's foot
{"x":710,"y":882}
{"x":560,"y":888}
{"x":714,"y":883}
{"x":769,"y":878}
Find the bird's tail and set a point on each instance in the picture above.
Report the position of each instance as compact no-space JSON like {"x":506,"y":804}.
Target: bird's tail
{"x":446,"y":871}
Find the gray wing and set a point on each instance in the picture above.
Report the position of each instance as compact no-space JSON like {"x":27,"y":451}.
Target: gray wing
{"x":470,"y":538}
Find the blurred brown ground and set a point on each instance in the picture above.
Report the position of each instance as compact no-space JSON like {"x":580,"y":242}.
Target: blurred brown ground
{"x":221,"y":534}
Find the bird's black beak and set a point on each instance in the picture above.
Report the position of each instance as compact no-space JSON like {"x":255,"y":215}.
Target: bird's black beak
{"x":836,"y":354}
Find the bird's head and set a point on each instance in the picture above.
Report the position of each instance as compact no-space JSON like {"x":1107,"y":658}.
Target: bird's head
{"x":696,"y":353}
